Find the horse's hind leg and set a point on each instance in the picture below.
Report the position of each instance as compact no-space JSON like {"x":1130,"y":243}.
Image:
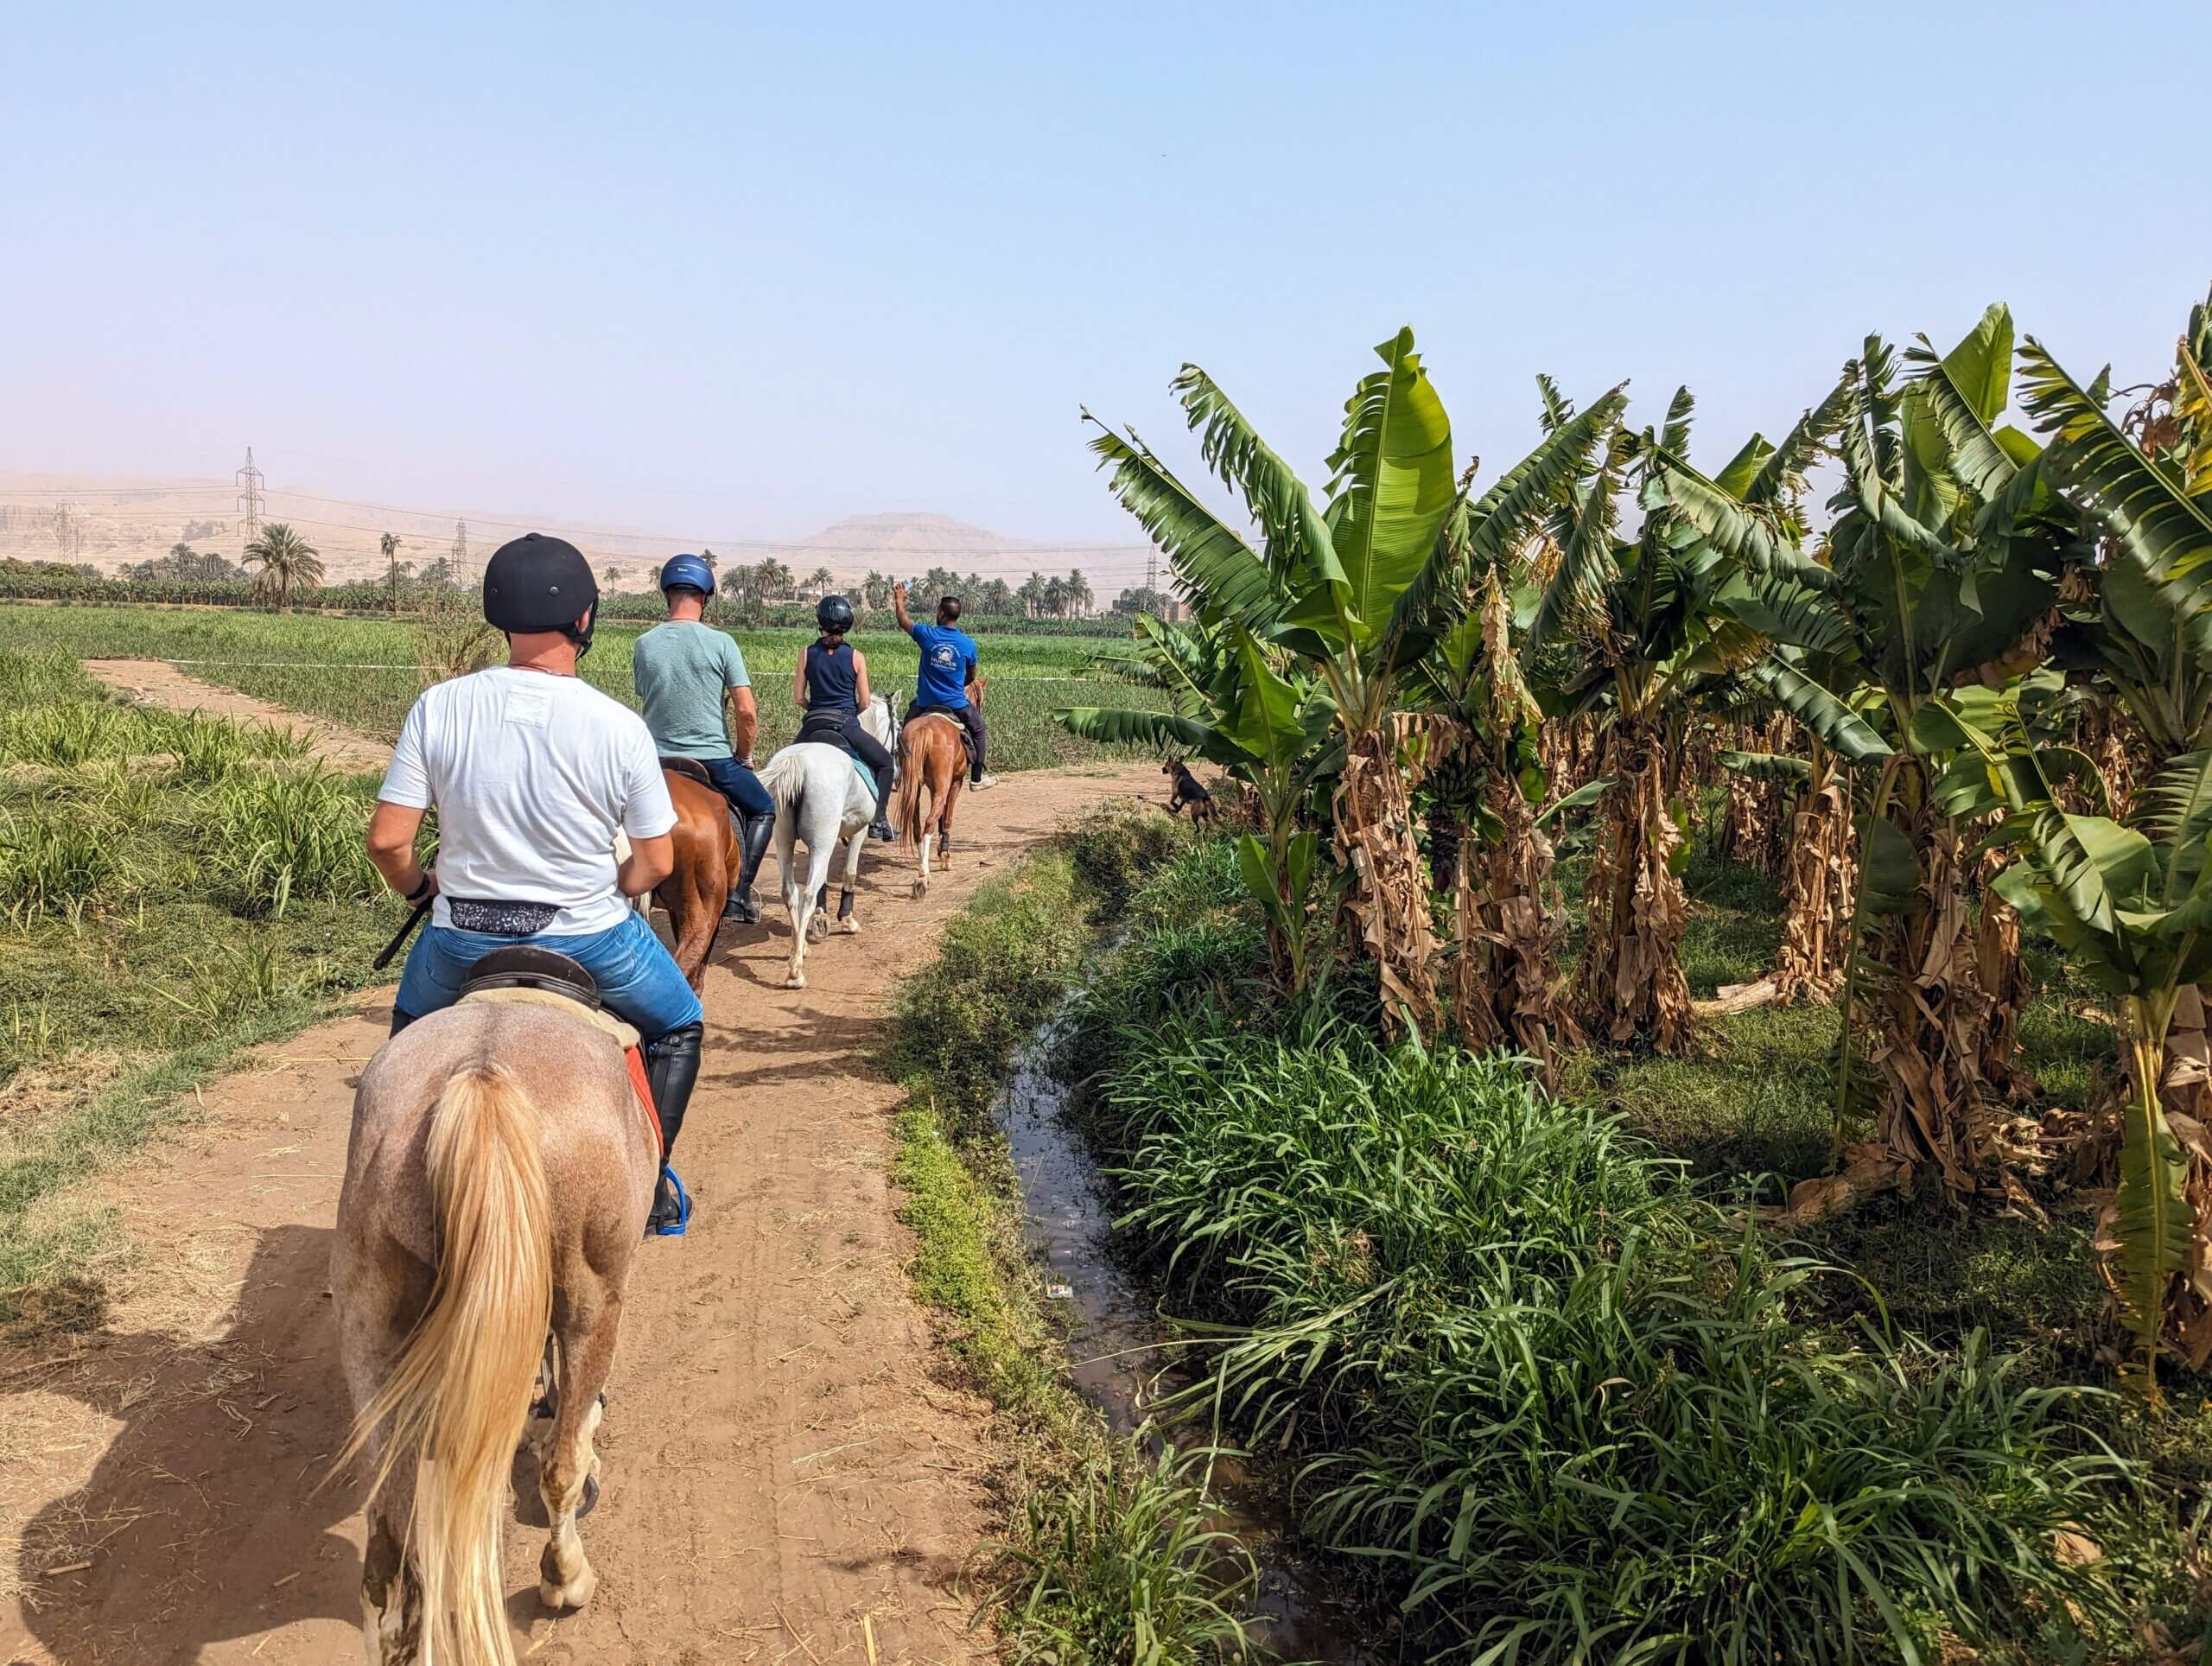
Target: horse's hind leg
{"x":375,"y":1312}
{"x":567,"y":1468}
{"x":846,"y":921}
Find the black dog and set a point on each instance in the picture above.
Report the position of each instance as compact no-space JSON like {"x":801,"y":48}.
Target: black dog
{"x":1203,"y":810}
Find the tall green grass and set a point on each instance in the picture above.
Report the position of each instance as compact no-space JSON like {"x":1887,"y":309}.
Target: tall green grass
{"x":362,"y":671}
{"x":295,"y":834}
{"x":1543,"y":1389}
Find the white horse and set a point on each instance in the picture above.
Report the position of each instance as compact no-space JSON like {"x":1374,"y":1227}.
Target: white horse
{"x":823,"y":797}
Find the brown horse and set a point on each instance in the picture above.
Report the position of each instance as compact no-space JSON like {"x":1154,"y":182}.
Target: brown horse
{"x":932,"y":758}
{"x":707,"y":865}
{"x":497,"y":1184}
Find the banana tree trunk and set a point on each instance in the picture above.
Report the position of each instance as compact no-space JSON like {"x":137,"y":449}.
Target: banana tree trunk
{"x":1924,"y":1008}
{"x":1818,"y":876}
{"x":1388,"y":898}
{"x":1504,"y":983}
{"x":2003,"y":974}
{"x":1630,"y":982}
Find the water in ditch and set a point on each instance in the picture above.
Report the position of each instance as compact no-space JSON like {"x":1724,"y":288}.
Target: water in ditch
{"x":1113,"y":1334}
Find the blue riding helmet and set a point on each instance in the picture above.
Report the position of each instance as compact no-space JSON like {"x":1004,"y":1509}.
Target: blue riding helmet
{"x":690,"y":573}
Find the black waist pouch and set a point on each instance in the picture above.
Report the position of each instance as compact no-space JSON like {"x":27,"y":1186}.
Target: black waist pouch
{"x":497,"y":918}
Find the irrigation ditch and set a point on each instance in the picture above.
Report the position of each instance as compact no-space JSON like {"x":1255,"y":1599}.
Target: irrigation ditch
{"x":1120,"y":1350}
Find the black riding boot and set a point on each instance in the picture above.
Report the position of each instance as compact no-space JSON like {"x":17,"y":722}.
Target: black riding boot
{"x":753,"y":833}
{"x":882,"y":827}
{"x":671,"y":1071}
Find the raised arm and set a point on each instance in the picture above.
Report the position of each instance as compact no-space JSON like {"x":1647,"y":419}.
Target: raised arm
{"x":899,"y":607}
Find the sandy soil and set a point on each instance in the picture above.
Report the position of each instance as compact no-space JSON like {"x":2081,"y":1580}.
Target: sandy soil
{"x":790,"y":1477}
{"x":158,"y":682}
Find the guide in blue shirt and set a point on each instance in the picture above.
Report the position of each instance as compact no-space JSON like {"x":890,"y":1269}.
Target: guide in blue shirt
{"x":947,"y":680}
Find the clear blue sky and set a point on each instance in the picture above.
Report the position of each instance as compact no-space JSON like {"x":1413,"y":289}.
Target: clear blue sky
{"x":741,"y":270}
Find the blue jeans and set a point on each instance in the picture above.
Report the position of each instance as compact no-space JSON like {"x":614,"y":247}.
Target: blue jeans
{"x":740,"y":785}
{"x":636,"y":978}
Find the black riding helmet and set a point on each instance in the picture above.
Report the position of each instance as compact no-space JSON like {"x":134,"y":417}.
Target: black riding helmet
{"x":833,"y":614}
{"x":539,"y":583}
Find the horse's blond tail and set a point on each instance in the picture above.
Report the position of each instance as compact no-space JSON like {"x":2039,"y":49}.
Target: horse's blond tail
{"x":912,"y":779}
{"x":456,"y":1399}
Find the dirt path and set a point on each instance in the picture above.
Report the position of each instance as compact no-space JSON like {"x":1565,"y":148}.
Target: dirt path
{"x":790,"y":1478}
{"x":158,"y":682}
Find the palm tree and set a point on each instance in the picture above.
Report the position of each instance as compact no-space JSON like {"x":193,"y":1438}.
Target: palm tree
{"x":875,"y":589}
{"x":1079,"y":597}
{"x":389,"y":544}
{"x":287,"y":561}
{"x":1032,"y":595}
{"x":821,"y":581}
{"x":773,"y":578}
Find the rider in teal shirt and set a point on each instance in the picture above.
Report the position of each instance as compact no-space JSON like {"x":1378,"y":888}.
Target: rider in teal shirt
{"x":948,"y":671}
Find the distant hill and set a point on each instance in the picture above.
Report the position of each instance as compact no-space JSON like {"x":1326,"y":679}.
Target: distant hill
{"x":111,"y":523}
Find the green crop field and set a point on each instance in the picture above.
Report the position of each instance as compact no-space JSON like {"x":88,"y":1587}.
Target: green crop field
{"x":362,"y":671}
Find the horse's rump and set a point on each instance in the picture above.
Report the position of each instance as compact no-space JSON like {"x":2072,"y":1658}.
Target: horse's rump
{"x":932,"y":750}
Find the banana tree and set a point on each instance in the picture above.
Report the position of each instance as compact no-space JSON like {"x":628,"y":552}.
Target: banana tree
{"x":1939,"y":570}
{"x":1228,"y":704}
{"x":1642,"y":634}
{"x":1354,"y":589}
{"x":2139,"y":603}
{"x":2131,"y":907}
{"x":1486,"y":850}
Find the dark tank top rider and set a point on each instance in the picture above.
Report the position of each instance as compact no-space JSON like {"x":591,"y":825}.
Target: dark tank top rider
{"x":830,"y":685}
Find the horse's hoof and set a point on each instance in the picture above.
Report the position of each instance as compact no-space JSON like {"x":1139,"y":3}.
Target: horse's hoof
{"x":921,"y":889}
{"x":574,"y":1594}
{"x":796,"y":981}
{"x":849,"y":927}
{"x":817,"y":929}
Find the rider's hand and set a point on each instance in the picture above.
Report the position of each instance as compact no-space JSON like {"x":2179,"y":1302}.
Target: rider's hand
{"x":425,"y":888}
{"x":899,"y":591}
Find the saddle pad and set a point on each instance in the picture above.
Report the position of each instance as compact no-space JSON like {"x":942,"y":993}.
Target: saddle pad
{"x":867,"y":780}
{"x":623,"y":1035}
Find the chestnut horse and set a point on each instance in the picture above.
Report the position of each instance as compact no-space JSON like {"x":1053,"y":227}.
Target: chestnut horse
{"x":707,"y":865}
{"x":496,"y":1182}
{"x":932,"y":758}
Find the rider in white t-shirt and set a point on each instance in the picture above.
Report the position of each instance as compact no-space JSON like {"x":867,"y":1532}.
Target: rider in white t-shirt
{"x":533,"y":772}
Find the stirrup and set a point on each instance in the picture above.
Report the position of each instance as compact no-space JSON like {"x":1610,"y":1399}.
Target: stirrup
{"x":671,"y":1229}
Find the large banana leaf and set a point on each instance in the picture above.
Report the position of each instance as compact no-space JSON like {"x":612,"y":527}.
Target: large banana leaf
{"x":1746,"y":534}
{"x":1587,"y":563}
{"x":1778,"y":768}
{"x":1223,"y":576}
{"x":1390,"y":484}
{"x":1300,"y":551}
{"x":1783,"y":473}
{"x":1121,"y":726}
{"x":2141,"y":506}
{"x":1973,"y":453}
{"x":1834,"y":724}
{"x":2152,"y":1221}
{"x":1483,"y":534}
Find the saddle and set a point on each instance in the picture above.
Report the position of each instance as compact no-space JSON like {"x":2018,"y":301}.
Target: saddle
{"x":526,"y":976}
{"x":687,"y":766}
{"x":967,"y":741}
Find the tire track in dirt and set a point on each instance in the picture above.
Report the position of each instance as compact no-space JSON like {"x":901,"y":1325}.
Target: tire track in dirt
{"x":789,"y":1474}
